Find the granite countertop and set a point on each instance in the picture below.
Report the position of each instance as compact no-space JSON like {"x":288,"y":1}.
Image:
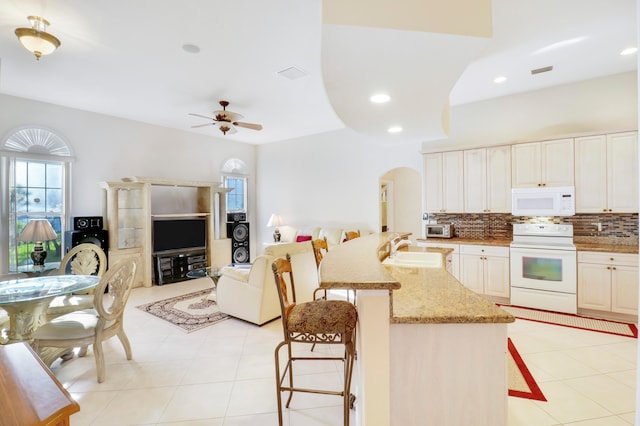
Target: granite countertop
{"x":433,"y":296}
{"x":419,"y":296}
{"x":487,"y":242}
{"x":613,"y":245}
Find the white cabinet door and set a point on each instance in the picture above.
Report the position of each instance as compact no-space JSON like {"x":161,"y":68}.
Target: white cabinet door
{"x":443,"y":182}
{"x":624,"y":289}
{"x":557,"y":162}
{"x":496,"y":276}
{"x":591,"y":174}
{"x":525,"y":165}
{"x":622,"y":172}
{"x":499,"y":179}
{"x":475,"y":180}
{"x":453,"y":171}
{"x":432,"y":172}
{"x":548,"y":163}
{"x":594,"y":286}
{"x":472,"y":272}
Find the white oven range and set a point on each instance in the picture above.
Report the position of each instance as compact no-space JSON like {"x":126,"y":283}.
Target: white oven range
{"x":543,"y":267}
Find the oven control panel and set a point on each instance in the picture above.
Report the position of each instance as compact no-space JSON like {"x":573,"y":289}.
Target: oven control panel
{"x":543,"y":229}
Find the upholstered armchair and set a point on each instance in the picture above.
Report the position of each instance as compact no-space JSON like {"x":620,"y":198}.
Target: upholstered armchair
{"x":248,"y":293}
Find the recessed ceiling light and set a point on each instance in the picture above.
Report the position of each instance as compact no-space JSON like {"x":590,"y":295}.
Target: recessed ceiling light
{"x":380,"y":98}
{"x":500,"y":79}
{"x":190,"y":48}
{"x":394,"y":129}
{"x":629,"y":51}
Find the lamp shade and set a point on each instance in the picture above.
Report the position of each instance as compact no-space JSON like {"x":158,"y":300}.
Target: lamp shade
{"x":38,"y":230}
{"x":274,"y":220}
{"x":35,"y":39}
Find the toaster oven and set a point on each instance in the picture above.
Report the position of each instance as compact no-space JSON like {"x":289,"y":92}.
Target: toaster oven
{"x":438,"y":230}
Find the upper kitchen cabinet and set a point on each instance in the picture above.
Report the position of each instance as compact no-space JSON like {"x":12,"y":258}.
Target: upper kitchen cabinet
{"x":548,"y":163}
{"x":607,"y":173}
{"x":443,"y":182}
{"x":487,"y":180}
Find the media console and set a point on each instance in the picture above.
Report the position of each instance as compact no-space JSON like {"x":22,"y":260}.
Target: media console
{"x":173,"y":266}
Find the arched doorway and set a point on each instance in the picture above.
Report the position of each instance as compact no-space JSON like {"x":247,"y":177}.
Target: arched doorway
{"x":400,"y":201}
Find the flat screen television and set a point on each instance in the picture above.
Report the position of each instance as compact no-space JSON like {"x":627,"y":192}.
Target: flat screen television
{"x":179,"y":234}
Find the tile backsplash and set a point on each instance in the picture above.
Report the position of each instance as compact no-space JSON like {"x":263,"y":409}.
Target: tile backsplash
{"x":619,"y":228}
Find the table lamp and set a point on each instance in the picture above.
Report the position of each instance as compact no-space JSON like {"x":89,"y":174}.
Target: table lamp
{"x":275,"y":220}
{"x":37,"y":231}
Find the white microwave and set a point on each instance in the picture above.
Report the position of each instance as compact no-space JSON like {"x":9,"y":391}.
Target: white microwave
{"x":548,"y":201}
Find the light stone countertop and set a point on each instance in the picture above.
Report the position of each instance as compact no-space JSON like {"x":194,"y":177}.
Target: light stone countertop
{"x":419,"y":295}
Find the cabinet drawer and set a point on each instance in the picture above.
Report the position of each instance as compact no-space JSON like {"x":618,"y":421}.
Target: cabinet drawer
{"x":608,"y":258}
{"x":484,"y":250}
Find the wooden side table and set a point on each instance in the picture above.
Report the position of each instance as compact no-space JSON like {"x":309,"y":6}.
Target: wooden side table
{"x":29,"y":393}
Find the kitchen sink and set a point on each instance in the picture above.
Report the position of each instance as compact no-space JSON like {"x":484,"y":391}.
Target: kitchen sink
{"x":415,"y":259}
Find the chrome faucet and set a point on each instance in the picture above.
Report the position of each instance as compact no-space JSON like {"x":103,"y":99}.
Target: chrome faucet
{"x":395,"y":244}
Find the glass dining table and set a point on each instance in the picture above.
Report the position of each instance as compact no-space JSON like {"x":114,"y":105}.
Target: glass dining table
{"x":26,"y":300}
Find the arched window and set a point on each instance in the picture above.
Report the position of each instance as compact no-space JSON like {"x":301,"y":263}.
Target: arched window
{"x":234,"y":174}
{"x":34,"y":184}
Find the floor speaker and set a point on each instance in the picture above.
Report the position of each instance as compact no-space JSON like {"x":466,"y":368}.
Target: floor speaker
{"x":99,"y":237}
{"x":239,"y":233}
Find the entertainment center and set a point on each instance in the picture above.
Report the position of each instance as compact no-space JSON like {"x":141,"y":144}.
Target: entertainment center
{"x":167,"y":245}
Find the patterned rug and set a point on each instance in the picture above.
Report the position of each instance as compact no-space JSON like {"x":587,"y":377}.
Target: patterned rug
{"x":191,"y":312}
{"x":574,"y":321}
{"x":521,"y":382}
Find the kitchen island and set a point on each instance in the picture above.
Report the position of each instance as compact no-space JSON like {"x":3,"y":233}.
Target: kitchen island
{"x":430,"y":351}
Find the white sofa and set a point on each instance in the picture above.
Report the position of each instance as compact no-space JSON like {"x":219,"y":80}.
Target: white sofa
{"x":334,"y":236}
{"x":250,"y":293}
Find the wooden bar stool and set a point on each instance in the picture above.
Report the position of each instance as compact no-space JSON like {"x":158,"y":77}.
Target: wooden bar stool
{"x":316,"y":322}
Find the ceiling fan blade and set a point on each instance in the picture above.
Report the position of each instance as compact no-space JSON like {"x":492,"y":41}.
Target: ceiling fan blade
{"x":201,"y":116}
{"x":251,"y":126}
{"x":202,"y":125}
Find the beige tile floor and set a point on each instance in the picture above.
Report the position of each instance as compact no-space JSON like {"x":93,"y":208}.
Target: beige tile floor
{"x":224,"y":375}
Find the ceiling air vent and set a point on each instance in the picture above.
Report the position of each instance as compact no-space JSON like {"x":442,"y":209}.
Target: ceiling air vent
{"x":541,"y":70}
{"x":293,"y":73}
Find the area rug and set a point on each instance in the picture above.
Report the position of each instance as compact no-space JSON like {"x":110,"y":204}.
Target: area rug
{"x":521,"y":383}
{"x":574,"y":321}
{"x":191,"y":312}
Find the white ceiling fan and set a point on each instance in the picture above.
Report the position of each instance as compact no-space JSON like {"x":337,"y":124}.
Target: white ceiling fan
{"x":226,"y":121}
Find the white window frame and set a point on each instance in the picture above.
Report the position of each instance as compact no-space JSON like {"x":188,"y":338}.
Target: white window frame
{"x":37,"y":145}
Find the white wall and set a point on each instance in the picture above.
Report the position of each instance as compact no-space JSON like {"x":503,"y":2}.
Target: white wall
{"x":109,"y":148}
{"x":329,"y":179}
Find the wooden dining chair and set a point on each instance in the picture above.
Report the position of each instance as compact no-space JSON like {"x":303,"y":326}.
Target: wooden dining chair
{"x":93,"y":326}
{"x":350,"y":235}
{"x":319,"y":322}
{"x":83,"y":259}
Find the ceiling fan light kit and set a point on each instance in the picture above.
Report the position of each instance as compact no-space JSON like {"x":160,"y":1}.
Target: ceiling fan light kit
{"x":226,"y":120}
{"x":36,"y":39}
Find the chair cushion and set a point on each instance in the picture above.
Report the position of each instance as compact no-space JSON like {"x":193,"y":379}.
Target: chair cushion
{"x":239,"y":274}
{"x":75,"y":325}
{"x":323,"y":316}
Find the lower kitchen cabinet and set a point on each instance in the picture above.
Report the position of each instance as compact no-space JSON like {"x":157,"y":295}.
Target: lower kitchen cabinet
{"x":485,"y":269}
{"x":608,"y":282}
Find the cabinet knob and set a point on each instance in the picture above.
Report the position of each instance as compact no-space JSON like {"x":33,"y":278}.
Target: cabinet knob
{"x":609,"y":267}
{"x":614,"y":268}
{"x":539,"y":184}
{"x":611,"y":258}
{"x":604,"y":210}
{"x":610,"y":210}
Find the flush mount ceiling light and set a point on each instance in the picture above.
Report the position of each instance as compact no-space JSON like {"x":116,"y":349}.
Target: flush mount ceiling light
{"x":36,"y":39}
{"x":394,"y":129}
{"x":500,"y":79}
{"x":380,"y":98}
{"x":629,"y":51}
